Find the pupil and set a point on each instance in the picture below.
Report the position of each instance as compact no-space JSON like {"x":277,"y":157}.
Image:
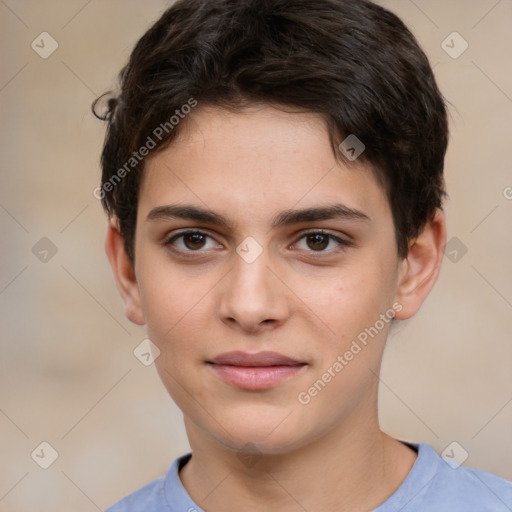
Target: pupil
{"x":319,"y":241}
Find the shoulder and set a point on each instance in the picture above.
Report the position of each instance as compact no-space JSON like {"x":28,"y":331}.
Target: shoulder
{"x":474,"y":488}
{"x":449,"y":487}
{"x":159,"y":495}
{"x":146,"y":499}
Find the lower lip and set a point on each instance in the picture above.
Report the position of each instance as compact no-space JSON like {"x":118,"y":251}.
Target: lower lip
{"x":255,"y":377}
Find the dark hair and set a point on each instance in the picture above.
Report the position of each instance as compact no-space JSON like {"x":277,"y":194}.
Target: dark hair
{"x":351,"y":61}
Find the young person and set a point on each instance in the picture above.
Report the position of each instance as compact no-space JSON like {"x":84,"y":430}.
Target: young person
{"x":273,"y":175}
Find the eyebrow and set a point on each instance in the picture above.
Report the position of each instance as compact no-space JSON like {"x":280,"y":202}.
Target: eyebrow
{"x":284,"y":218}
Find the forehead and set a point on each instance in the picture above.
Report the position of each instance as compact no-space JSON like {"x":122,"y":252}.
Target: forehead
{"x":257,"y":160}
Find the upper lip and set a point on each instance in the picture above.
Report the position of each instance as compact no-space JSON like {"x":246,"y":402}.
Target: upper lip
{"x":259,"y":359}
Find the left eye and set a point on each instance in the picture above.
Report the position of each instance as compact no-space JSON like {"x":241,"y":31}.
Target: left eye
{"x":318,"y":241}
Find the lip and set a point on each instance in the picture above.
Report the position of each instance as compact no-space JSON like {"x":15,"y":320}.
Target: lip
{"x":258,"y":359}
{"x":262,"y":370}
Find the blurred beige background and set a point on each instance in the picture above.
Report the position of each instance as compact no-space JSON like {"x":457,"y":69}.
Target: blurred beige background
{"x":68,"y":373}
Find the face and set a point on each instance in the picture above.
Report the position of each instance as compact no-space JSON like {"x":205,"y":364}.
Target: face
{"x":267,"y":274}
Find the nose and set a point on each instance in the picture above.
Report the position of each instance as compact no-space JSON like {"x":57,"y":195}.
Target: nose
{"x":253,"y":296}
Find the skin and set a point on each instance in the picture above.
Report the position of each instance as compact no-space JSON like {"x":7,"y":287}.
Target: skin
{"x":305,"y":301}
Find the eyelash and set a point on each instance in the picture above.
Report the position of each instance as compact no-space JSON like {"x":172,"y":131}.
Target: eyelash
{"x":342,"y":242}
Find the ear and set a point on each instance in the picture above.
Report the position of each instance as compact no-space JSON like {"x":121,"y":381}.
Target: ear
{"x":124,"y":273}
{"x":421,"y":267}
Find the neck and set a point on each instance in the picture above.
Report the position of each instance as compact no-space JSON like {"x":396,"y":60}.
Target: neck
{"x":346,"y":470}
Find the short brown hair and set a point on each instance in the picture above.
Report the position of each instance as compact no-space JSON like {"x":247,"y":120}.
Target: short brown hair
{"x":351,"y":61}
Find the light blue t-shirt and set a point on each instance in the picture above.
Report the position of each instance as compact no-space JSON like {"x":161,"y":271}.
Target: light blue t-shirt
{"x":432,"y":485}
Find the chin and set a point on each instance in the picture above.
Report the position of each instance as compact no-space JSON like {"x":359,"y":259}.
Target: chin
{"x":271,"y":432}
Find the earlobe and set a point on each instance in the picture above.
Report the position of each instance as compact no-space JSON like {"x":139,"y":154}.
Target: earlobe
{"x":124,"y":273}
{"x":421,"y":267}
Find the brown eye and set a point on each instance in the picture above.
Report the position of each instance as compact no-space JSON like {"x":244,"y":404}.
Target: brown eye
{"x":191,"y":241}
{"x":318,"y":241}
{"x":194,"y":241}
{"x":321,"y":242}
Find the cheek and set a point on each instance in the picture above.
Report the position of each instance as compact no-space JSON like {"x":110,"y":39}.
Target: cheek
{"x":354,"y":299}
{"x":175,"y":317}
{"x":171,"y":299}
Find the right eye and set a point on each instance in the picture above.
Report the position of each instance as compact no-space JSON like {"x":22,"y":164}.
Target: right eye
{"x":190,"y":241}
